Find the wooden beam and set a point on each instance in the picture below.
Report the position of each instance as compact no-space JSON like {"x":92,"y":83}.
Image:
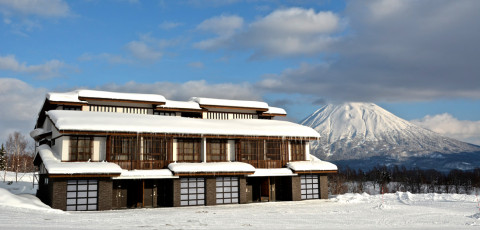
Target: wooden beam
{"x":233,"y":107}
{"x":316,"y":172}
{"x":214,"y":174}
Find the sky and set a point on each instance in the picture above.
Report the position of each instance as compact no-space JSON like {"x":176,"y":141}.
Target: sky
{"x":417,"y":59}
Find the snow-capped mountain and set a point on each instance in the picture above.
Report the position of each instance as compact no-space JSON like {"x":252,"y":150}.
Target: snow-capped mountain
{"x":359,"y":131}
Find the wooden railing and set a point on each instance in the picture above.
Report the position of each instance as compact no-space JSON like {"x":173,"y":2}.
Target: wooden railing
{"x":148,"y":164}
{"x":266,"y":163}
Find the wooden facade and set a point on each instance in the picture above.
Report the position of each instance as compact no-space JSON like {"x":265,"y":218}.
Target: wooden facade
{"x":135,"y":152}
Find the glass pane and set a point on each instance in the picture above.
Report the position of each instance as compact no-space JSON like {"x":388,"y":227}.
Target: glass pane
{"x":71,"y":201}
{"x":71,"y":208}
{"x":200,"y":196}
{"x":184,"y":197}
{"x":92,"y":200}
{"x":219,"y":201}
{"x":71,"y":188}
{"x":82,"y":187}
{"x":92,"y":207}
{"x":82,"y":194}
{"x":82,"y":201}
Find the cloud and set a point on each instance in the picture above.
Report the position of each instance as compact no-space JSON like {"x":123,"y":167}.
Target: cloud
{"x":284,"y":32}
{"x":169,"y":25}
{"x":183,"y":91}
{"x":197,"y":64}
{"x":51,"y":8}
{"x":23,"y":16}
{"x":149,"y":48}
{"x":394,"y":51}
{"x":447,"y":125}
{"x":20,"y":103}
{"x":110,"y":58}
{"x":49,"y":69}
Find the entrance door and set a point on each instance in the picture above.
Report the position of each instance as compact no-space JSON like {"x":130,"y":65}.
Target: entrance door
{"x":309,"y":186}
{"x":119,"y":195}
{"x":149,"y":194}
{"x":265,"y":189}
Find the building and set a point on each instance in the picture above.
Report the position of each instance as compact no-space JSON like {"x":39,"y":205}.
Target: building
{"x":101,"y":150}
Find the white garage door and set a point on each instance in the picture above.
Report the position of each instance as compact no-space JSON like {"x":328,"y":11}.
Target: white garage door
{"x":309,"y":187}
{"x":82,"y":195}
{"x":192,"y":191}
{"x":227,"y":190}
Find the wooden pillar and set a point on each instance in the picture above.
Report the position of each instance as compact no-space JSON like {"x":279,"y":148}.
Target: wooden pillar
{"x":323,"y":184}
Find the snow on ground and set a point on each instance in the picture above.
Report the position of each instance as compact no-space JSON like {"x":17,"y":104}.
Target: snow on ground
{"x":349,"y":211}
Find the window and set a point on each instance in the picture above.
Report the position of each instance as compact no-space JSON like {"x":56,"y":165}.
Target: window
{"x":71,"y":107}
{"x":81,"y":148}
{"x":162,"y":113}
{"x":191,"y":114}
{"x":82,"y":195}
{"x":250,"y":150}
{"x":227,"y":190}
{"x":155,"y":148}
{"x":309,"y":186}
{"x":274,"y":150}
{"x":188,"y":150}
{"x":216,"y":150}
{"x":297,"y":150}
{"x":192,"y":191}
{"x":123,"y":148}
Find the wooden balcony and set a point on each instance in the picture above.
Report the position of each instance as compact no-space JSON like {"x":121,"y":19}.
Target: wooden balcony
{"x":267,"y":164}
{"x":148,"y":164}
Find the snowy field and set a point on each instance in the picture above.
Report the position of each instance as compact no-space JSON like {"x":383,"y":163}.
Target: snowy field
{"x":19,"y":209}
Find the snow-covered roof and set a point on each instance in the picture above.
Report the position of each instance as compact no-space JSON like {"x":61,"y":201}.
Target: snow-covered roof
{"x":146,"y":174}
{"x":273,"y":172}
{"x":64,"y":97}
{"x":74,"y":96}
{"x":181,"y":105}
{"x":211,"y":167}
{"x":230,"y":103}
{"x":55,"y":166}
{"x":144,"y":123}
{"x":276,"y":110}
{"x":121,"y":96}
{"x":311,"y":166}
{"x":38,"y":133}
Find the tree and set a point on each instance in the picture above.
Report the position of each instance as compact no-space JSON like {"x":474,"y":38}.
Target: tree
{"x":3,"y":161}
{"x":18,"y":154}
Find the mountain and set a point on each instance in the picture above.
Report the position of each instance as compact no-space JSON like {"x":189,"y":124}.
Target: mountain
{"x":365,"y":135}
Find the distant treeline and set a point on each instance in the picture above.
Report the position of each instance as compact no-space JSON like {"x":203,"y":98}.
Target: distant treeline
{"x":392,"y":179}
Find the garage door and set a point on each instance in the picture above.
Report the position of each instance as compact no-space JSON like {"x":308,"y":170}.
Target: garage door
{"x":192,"y":191}
{"x":227,"y":190}
{"x":309,"y":187}
{"x":82,"y":195}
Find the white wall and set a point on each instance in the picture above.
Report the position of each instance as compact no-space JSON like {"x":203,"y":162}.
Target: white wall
{"x":231,"y":150}
{"x":174,"y":150}
{"x":99,"y":149}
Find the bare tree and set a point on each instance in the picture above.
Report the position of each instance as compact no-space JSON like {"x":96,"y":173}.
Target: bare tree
{"x":17,"y":150}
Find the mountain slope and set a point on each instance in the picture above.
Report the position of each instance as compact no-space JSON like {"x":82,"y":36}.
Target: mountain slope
{"x":354,"y":131}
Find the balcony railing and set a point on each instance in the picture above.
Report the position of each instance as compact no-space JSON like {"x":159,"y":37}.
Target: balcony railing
{"x":266,"y":163}
{"x":147,"y":164}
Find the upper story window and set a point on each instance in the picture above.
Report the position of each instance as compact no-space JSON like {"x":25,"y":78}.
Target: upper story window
{"x":216,"y":150}
{"x":188,"y":149}
{"x":274,"y":150}
{"x":81,"y":148}
{"x":71,"y":107}
{"x":163,"y":113}
{"x":250,"y":150}
{"x":156,"y":148}
{"x":123,"y":148}
{"x":297,"y":150}
{"x":191,"y":114}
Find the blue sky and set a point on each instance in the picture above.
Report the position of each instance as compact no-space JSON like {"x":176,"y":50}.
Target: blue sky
{"x":417,"y":59}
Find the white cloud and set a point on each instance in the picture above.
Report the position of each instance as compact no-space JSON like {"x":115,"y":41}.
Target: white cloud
{"x":110,"y":58}
{"x":141,"y":50}
{"x":49,"y":69}
{"x":166,"y":25}
{"x":20,"y":103}
{"x":222,"y":25}
{"x":149,"y":48}
{"x":447,"y":125}
{"x":183,"y":91}
{"x":51,"y":8}
{"x":284,"y":32}
{"x":391,"y":51}
{"x":196,"y":64}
